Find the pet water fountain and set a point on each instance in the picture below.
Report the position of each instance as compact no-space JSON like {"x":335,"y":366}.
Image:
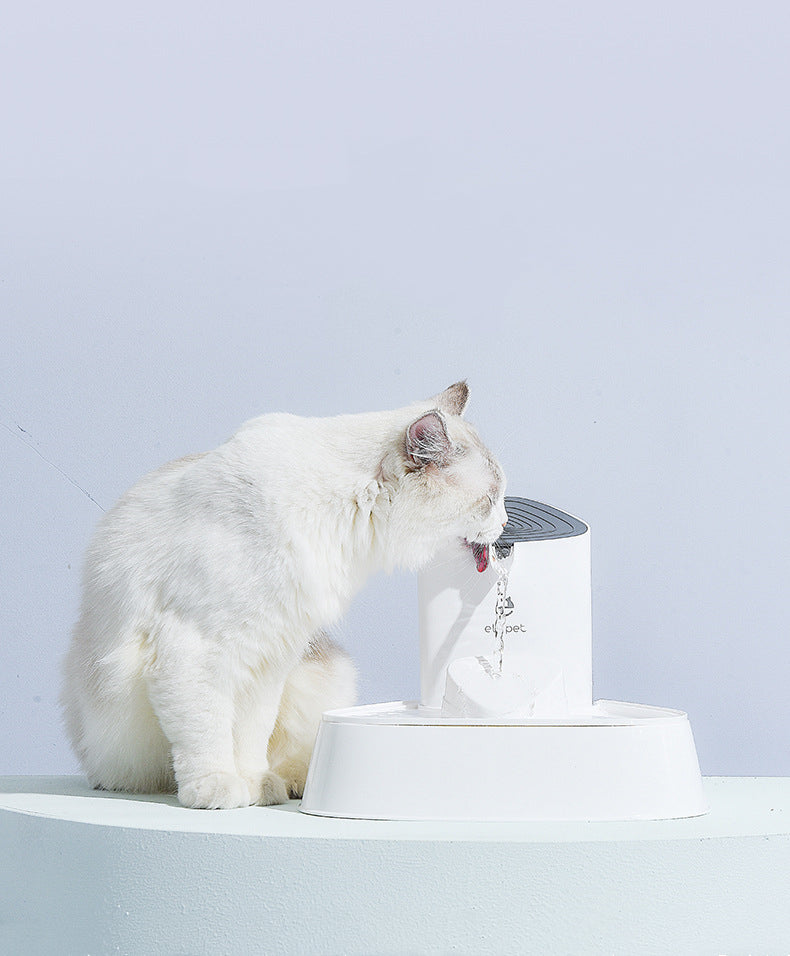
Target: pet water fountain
{"x":506,"y":727}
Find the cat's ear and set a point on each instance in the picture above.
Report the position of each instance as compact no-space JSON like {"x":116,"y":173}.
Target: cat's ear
{"x":453,"y":400}
{"x":427,"y":442}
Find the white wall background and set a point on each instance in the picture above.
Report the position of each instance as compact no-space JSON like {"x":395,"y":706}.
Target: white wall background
{"x":211,"y":211}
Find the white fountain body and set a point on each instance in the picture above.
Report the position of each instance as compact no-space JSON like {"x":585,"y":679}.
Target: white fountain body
{"x":548,"y":623}
{"x":526,"y":744}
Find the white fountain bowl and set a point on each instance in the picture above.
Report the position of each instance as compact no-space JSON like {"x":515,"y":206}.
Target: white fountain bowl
{"x":403,"y":761}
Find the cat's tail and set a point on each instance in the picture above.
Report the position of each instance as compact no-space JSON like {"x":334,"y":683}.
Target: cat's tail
{"x":325,"y":679}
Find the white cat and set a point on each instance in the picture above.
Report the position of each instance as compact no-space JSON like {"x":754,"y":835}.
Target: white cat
{"x":199,"y":661}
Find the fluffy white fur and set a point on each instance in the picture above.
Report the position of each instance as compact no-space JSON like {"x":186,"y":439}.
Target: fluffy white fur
{"x":199,"y":662}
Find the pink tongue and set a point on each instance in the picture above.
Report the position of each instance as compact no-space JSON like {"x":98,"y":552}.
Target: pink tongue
{"x":481,"y":556}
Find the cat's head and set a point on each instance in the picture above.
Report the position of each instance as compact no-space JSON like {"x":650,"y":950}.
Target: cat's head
{"x":451,"y":486}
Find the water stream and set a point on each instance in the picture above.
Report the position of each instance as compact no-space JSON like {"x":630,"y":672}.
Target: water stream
{"x":499,"y":616}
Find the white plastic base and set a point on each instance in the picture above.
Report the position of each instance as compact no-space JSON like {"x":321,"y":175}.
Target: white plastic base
{"x":401,"y":761}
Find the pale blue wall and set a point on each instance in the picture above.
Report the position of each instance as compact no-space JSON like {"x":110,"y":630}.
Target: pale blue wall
{"x":212,"y":213}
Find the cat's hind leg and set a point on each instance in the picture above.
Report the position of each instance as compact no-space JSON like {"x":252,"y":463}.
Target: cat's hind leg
{"x":325,"y":679}
{"x":112,"y":726}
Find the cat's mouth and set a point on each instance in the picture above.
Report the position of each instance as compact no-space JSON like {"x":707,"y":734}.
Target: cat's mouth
{"x":481,"y":554}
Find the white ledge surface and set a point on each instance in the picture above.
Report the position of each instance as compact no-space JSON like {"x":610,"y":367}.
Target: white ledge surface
{"x":740,"y":807}
{"x":83,"y":871}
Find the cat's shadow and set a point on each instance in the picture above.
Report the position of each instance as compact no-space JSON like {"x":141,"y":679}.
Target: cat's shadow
{"x":77,"y":786}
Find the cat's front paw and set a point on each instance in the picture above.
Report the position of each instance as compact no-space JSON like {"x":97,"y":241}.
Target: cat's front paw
{"x":215,"y":791}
